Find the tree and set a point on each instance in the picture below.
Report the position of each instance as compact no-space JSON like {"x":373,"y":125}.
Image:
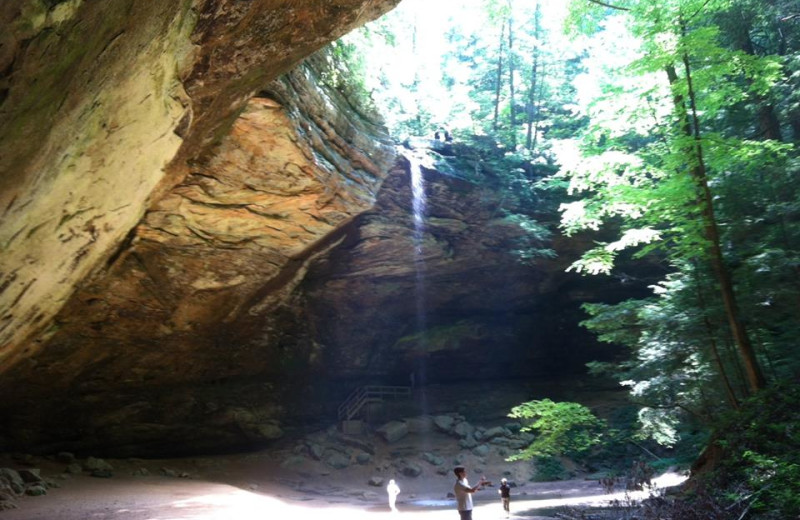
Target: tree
{"x":531,"y":109}
{"x":561,"y":428}
{"x":660,"y":186}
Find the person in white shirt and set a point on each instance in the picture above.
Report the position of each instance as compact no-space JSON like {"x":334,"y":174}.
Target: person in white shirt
{"x":393,"y":490}
{"x":464,"y":491}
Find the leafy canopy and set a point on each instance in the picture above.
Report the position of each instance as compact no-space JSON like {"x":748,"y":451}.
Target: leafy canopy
{"x":561,"y":428}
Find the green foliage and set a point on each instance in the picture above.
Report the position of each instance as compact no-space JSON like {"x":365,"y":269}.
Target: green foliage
{"x":345,"y":72}
{"x":561,"y":428}
{"x":632,"y":164}
{"x":762,"y":453}
{"x":634,"y":169}
{"x":672,"y":372}
{"x":548,"y":469}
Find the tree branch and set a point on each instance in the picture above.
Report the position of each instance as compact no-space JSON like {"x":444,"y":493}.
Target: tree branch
{"x":610,"y":6}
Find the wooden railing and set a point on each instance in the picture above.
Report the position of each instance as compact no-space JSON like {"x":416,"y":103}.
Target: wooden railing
{"x":367,"y":395}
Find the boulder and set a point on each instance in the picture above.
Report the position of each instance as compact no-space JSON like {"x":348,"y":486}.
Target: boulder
{"x":336,"y":460}
{"x":497,"y":431}
{"x":65,"y":457}
{"x":31,"y":476}
{"x":420,"y":424}
{"x":36,"y":490}
{"x":12,"y":479}
{"x":74,"y":469}
{"x":463,"y":429}
{"x":468,"y":442}
{"x":444,"y":423}
{"x":409,"y":469}
{"x":433,"y":459}
{"x":93,"y":464}
{"x":481,"y":450}
{"x":393,"y":431}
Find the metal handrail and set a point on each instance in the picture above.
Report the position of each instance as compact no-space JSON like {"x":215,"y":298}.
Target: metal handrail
{"x":365,"y":394}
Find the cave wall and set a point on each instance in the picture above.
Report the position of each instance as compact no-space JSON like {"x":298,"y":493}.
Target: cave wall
{"x":103,"y":108}
{"x":455,"y":301}
{"x":196,"y":254}
{"x":182,"y":342}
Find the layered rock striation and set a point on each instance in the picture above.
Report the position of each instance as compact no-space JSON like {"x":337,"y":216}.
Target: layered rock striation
{"x":192,"y":322}
{"x":103,"y":108}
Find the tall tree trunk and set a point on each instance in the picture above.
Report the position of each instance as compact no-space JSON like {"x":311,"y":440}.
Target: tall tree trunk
{"x":768,"y":124}
{"x":697,"y":169}
{"x":531,"y":102}
{"x":726,"y":382}
{"x":499,"y":79}
{"x":513,"y":106}
{"x":531,"y":105}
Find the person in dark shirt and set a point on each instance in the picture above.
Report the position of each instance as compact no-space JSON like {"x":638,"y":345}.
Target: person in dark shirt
{"x":505,"y":496}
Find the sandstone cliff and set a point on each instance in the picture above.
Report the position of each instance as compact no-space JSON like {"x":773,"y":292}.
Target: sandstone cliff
{"x":196,"y":257}
{"x":103,"y":108}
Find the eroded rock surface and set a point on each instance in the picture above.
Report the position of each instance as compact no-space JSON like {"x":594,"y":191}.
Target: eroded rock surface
{"x":194,"y":321}
{"x":103,"y":106}
{"x":245,"y":252}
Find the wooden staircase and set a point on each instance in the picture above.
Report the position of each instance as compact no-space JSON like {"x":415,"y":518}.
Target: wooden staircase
{"x":367,"y":395}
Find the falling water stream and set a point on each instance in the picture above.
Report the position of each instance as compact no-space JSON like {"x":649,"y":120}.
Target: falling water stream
{"x":418,"y":204}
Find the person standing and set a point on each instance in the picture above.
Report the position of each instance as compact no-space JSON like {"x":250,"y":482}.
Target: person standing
{"x":393,"y":490}
{"x":505,"y":496}
{"x":464,"y":491}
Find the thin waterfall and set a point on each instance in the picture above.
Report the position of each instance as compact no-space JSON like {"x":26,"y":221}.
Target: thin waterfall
{"x":419,"y":202}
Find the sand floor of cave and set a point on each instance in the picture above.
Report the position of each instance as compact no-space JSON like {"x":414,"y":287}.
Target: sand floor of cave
{"x":165,"y":498}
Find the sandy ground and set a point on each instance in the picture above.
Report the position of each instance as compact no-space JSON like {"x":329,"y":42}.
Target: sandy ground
{"x":278,"y":484}
{"x":252,"y":487}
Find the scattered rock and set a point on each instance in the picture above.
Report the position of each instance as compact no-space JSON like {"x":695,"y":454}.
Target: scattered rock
{"x":393,"y":431}
{"x":468,"y":443}
{"x":497,"y":431}
{"x":31,"y":476}
{"x":92,"y":464}
{"x":316,"y":451}
{"x":294,"y":460}
{"x":444,"y":422}
{"x":481,"y":451}
{"x":463,"y":429}
{"x":363,"y":457}
{"x":65,"y":457}
{"x":433,"y":459}
{"x":12,"y":479}
{"x":101,"y":473}
{"x":360,"y":444}
{"x":140,"y":472}
{"x":7,"y":502}
{"x":409,"y":469}
{"x":375,"y":481}
{"x":518,"y":444}
{"x":36,"y":490}
{"x":74,"y":469}
{"x":336,"y":460}
{"x":168,"y":472}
